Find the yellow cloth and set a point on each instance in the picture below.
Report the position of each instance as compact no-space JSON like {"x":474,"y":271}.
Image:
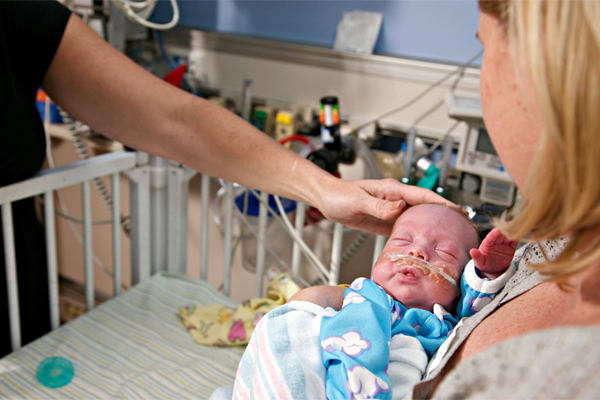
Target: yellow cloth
{"x":219,"y":325}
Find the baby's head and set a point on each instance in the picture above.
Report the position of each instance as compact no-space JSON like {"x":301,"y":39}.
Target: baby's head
{"x":440,"y":235}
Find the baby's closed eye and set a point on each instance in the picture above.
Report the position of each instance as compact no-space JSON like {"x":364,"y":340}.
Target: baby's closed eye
{"x":402,"y":241}
{"x":446,"y":253}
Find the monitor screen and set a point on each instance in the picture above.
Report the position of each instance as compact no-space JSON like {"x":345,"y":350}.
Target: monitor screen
{"x":484,"y":143}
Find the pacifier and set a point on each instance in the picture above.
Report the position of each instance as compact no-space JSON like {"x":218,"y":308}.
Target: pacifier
{"x":434,"y":272}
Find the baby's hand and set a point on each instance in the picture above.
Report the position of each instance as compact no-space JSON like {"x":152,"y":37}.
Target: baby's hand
{"x":494,"y":254}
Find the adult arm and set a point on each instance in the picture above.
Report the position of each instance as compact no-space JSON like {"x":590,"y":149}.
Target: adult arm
{"x":101,"y":87}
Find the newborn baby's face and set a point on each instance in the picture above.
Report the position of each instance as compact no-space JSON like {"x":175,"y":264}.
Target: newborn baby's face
{"x":434,"y":234}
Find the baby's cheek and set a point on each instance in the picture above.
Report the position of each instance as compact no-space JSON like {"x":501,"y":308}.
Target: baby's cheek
{"x":442,"y":296}
{"x":377,"y":275}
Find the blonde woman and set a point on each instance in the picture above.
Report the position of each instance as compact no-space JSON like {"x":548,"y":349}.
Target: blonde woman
{"x":540,"y":90}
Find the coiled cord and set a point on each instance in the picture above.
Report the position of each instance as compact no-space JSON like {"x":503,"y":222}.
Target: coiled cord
{"x":78,"y":130}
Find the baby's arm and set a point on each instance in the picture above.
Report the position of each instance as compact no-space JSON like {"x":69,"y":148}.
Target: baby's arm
{"x":494,"y":254}
{"x":486,"y":275}
{"x":324,"y":296}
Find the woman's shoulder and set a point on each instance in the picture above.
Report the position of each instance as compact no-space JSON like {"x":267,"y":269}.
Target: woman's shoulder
{"x":554,"y":363}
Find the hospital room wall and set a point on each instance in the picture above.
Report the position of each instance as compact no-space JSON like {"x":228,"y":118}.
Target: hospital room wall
{"x":362,"y":96}
{"x":436,"y":30}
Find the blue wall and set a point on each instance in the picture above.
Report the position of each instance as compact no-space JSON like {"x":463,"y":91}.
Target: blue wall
{"x":437,"y":30}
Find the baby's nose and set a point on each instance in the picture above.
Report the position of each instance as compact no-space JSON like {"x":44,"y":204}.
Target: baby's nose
{"x":418,"y":254}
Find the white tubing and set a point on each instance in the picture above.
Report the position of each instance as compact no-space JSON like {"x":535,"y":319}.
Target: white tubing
{"x":319,"y":267}
{"x":422,"y":263}
{"x":297,"y":252}
{"x":336,"y":254}
{"x":144,"y":10}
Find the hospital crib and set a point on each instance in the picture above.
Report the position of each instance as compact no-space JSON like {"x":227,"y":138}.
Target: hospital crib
{"x":134,"y":345}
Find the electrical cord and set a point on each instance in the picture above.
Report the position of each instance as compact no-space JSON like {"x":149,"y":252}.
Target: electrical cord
{"x":77,"y":130}
{"x":242,"y":216}
{"x":459,"y":69}
{"x":163,"y":53}
{"x":80,"y":221}
{"x":441,"y":140}
{"x":162,"y":50}
{"x":435,"y":107}
{"x":140,"y":11}
{"x":308,"y":253}
{"x":354,"y":247}
{"x":61,"y":196}
{"x":282,"y":263}
{"x":441,"y":102}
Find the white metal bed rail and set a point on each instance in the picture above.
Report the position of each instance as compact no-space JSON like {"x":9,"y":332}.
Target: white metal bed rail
{"x":158,"y":209}
{"x":45,"y":183}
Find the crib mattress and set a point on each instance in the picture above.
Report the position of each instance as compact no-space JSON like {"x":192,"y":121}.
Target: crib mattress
{"x":132,"y":346}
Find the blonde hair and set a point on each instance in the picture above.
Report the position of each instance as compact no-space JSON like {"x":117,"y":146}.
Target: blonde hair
{"x":556,"y":44}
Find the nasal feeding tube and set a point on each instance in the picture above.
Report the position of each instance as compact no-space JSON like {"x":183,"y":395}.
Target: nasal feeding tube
{"x":435,"y":273}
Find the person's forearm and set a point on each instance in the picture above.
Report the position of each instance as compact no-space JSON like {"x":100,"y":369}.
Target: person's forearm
{"x":101,"y":87}
{"x":239,"y":152}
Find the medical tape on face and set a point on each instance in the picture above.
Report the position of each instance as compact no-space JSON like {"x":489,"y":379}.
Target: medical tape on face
{"x":435,"y":273}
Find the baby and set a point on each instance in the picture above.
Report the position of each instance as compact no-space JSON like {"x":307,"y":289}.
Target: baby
{"x":369,"y":354}
{"x":379,"y":342}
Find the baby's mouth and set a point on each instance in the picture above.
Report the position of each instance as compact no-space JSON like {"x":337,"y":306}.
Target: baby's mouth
{"x":412,"y":268}
{"x":409,"y":272}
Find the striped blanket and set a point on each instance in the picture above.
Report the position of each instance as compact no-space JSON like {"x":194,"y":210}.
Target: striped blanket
{"x":132,"y":346}
{"x":283,"y":359}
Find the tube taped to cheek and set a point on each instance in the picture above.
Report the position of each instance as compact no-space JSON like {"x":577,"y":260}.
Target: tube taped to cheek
{"x":435,"y":273}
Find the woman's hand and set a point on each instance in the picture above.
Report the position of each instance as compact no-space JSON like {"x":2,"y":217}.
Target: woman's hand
{"x":371,"y":205}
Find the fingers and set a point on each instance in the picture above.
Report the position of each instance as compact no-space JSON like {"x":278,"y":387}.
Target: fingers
{"x":374,"y":205}
{"x":380,"y":215}
{"x":478,"y":258}
{"x":384,"y":209}
{"x":492,"y":238}
{"x":496,"y":237}
{"x":416,"y":195}
{"x":391,"y":189}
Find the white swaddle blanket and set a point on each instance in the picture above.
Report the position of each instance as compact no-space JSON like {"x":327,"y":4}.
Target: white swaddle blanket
{"x":284,"y":357}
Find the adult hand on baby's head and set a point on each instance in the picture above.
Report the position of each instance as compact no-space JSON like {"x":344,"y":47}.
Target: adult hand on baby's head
{"x":494,"y":254}
{"x":372,"y":205}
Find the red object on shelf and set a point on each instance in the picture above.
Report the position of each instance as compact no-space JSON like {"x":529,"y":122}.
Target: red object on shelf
{"x":175,"y":76}
{"x":295,"y":138}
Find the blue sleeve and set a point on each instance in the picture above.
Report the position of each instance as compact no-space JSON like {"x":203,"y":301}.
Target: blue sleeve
{"x":477,"y":292}
{"x":355,"y":344}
